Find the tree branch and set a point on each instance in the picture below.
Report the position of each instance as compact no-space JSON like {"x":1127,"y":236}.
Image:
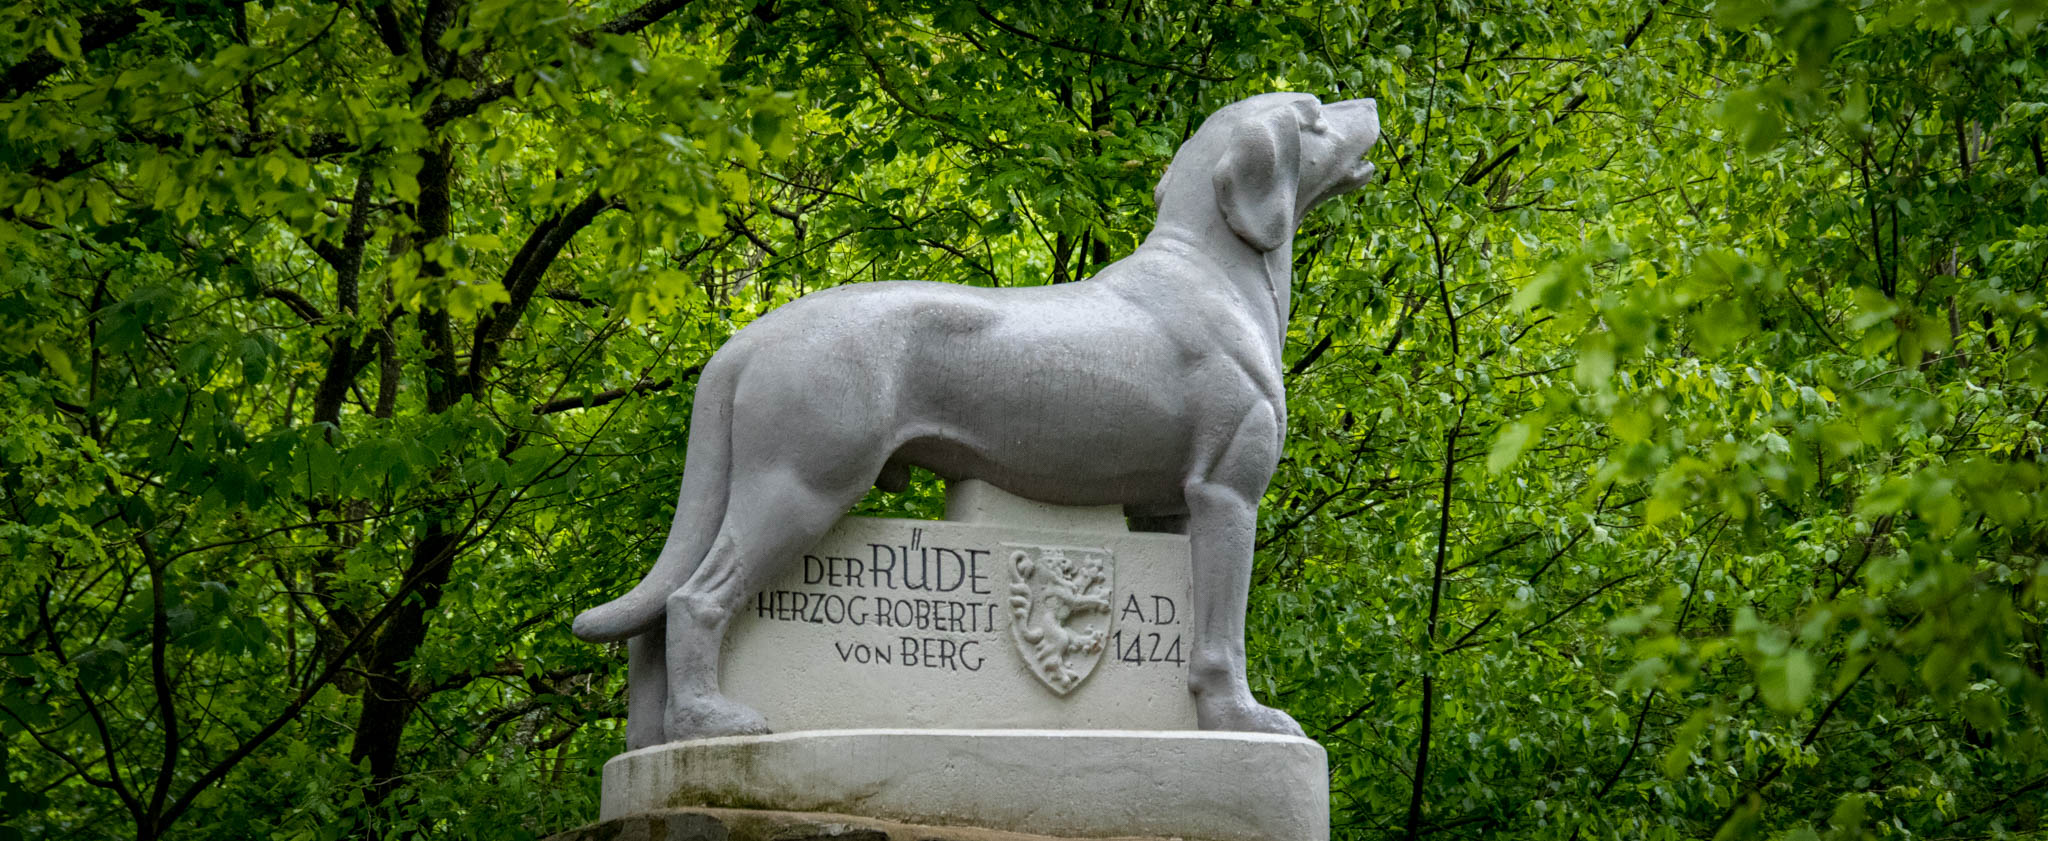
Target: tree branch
{"x":1089,"y":51}
{"x":646,"y":15}
{"x":590,"y":401}
{"x":348,"y":265}
{"x":947,"y":125}
{"x":522,"y":278}
{"x":95,"y":31}
{"x":295,"y":302}
{"x":1483,"y":167}
{"x":1635,"y":741}
{"x":1314,"y":353}
{"x":402,"y":595}
{"x":329,"y":144}
{"x":92,"y":709}
{"x":1436,"y":589}
{"x":735,"y":226}
{"x":384,"y":18}
{"x":159,"y":674}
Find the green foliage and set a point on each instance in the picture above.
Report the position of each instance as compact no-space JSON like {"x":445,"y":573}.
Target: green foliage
{"x":1670,"y":412}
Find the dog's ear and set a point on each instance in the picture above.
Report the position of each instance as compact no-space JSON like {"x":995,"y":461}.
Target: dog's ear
{"x":1256,"y":178}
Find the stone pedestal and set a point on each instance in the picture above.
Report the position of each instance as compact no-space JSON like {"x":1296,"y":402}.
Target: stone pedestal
{"x":1199,"y":786}
{"x":907,"y":623}
{"x":706,"y":824}
{"x":906,"y":669}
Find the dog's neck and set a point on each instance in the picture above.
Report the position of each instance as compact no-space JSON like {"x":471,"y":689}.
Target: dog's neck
{"x":1190,"y":221}
{"x":1264,"y":279}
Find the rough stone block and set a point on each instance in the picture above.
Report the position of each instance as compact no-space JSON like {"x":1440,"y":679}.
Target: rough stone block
{"x":1195,"y":785}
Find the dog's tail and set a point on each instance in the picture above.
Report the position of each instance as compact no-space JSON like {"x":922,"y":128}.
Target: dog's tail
{"x":700,"y":510}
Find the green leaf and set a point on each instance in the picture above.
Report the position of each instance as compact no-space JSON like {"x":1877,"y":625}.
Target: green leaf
{"x":1786,"y":680}
{"x":1513,"y":440}
{"x":59,"y":361}
{"x":1596,"y":362}
{"x":1678,"y":758}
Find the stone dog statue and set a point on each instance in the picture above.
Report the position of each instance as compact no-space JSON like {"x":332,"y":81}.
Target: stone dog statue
{"x":1155,"y":385}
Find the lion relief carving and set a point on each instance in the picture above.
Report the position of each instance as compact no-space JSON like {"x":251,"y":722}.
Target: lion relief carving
{"x":1059,"y":611}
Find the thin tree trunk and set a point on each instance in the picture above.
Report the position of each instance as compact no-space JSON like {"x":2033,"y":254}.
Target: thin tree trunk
{"x":388,"y":697}
{"x":1436,"y":590}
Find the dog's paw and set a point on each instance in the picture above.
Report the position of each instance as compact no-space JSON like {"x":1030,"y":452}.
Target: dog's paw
{"x":707,"y":717}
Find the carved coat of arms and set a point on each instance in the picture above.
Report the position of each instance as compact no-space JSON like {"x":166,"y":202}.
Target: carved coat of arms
{"x":1060,"y":610}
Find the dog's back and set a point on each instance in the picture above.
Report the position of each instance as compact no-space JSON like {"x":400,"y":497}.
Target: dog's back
{"x":1073,"y":393}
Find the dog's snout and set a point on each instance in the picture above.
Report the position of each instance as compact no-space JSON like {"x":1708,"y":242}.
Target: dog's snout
{"x":1359,"y":118}
{"x":1353,"y":109}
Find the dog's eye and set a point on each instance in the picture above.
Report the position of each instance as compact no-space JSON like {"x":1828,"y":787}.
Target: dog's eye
{"x":1317,"y":126}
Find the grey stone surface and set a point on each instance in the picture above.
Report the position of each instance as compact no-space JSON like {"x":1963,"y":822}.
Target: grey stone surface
{"x":1155,"y":386}
{"x":914,"y":623}
{"x":768,"y":825}
{"x":1194,"y":785}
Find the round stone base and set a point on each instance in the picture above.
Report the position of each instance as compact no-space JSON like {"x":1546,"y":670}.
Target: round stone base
{"x":1194,"y":785}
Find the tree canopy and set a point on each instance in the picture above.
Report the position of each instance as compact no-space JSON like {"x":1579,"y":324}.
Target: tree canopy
{"x":1666,"y":436}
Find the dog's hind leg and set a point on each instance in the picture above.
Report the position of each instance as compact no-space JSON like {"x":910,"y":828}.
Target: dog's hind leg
{"x":772,"y":515}
{"x":1223,"y":508}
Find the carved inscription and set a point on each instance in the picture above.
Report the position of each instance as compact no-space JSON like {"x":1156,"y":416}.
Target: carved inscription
{"x":921,"y":604}
{"x":1138,"y":646}
{"x":908,"y":605}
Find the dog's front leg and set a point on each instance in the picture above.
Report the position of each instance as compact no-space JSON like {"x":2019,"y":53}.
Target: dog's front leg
{"x":1223,"y":509}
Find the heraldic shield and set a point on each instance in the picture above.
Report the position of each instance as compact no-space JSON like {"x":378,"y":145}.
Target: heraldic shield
{"x":1060,"y":610}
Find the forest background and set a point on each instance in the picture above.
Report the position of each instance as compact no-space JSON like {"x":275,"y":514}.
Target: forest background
{"x":1666,"y":423}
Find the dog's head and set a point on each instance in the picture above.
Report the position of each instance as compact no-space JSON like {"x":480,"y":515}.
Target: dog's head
{"x":1275,"y":156}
